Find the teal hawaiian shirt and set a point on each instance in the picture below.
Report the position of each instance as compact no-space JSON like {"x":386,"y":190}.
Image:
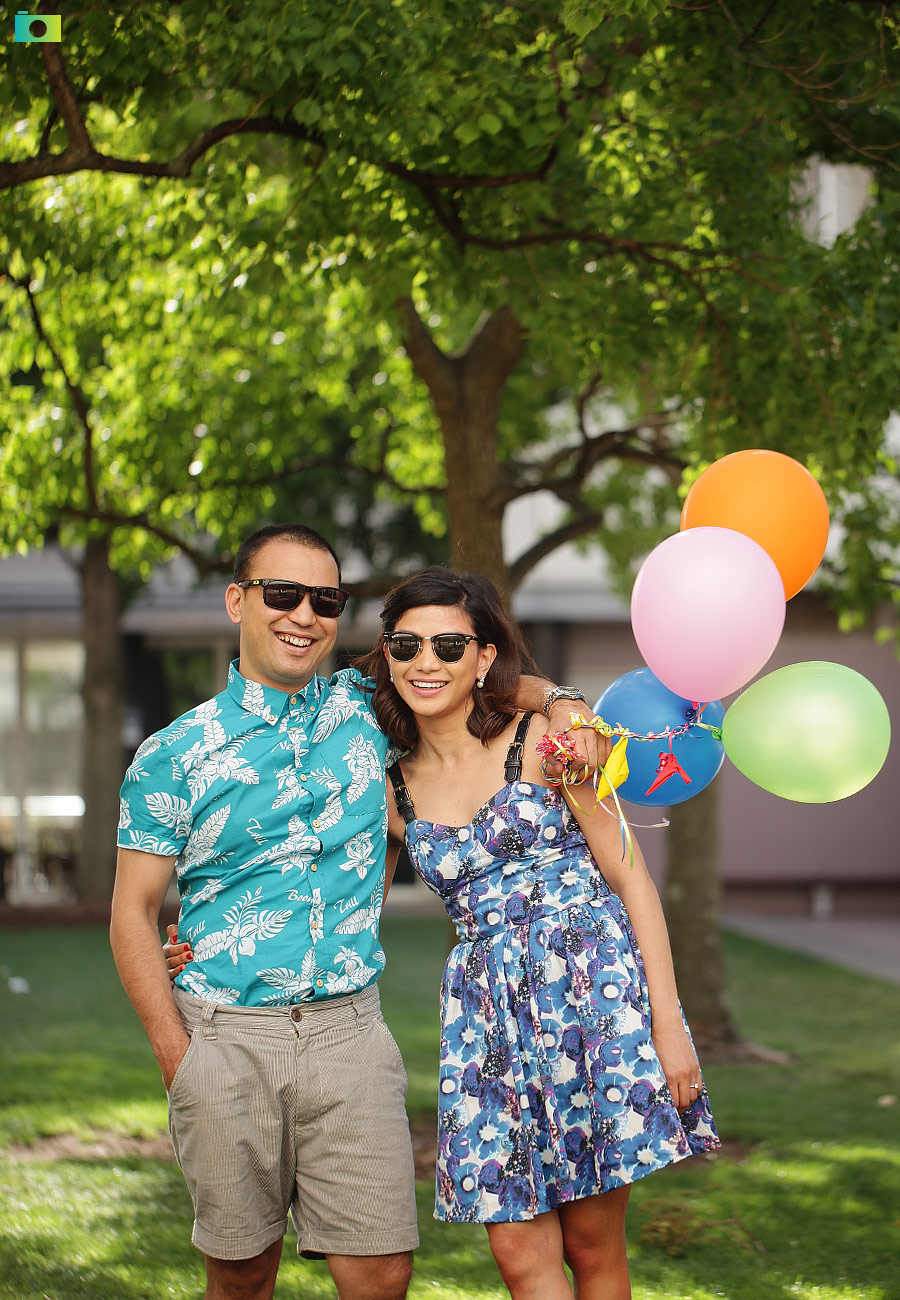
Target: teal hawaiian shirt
{"x":273,"y":806}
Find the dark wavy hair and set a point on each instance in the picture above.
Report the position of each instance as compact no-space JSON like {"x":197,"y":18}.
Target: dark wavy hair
{"x":493,"y":704}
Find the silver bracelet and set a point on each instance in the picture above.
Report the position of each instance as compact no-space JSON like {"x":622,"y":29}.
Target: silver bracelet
{"x":556,"y":693}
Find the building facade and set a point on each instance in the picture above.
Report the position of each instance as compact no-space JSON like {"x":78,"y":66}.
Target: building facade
{"x":178,"y":641}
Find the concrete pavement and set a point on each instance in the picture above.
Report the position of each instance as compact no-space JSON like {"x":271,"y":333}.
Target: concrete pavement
{"x":869,"y":945}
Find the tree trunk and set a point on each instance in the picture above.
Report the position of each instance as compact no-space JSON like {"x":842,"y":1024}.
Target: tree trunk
{"x":692,"y":901}
{"x":101,"y":690}
{"x":467,"y":391}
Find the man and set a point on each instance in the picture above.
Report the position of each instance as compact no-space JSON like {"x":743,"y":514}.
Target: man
{"x":286,"y":1089}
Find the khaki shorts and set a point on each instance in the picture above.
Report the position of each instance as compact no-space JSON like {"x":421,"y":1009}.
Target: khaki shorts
{"x":294,"y":1110}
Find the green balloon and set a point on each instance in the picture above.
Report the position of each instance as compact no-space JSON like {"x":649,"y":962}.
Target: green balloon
{"x":813,"y":732}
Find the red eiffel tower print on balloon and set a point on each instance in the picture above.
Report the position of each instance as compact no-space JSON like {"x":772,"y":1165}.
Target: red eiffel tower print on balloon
{"x":669,"y":766}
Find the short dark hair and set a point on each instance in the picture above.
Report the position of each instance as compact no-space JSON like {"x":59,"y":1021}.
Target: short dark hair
{"x":493,"y":705}
{"x":270,"y":532}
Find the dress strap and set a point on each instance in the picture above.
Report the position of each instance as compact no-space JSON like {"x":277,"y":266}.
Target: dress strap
{"x":402,"y":797}
{"x":512,"y":770}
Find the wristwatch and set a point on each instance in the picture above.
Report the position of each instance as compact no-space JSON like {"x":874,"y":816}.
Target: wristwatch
{"x":555,"y":693}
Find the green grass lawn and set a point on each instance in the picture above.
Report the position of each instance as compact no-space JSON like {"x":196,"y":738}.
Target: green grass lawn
{"x":804,"y":1204}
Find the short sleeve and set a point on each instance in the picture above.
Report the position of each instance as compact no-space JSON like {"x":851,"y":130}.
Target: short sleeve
{"x":154,"y":814}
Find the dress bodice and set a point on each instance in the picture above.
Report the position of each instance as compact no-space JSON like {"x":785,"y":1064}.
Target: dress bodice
{"x":522,"y":855}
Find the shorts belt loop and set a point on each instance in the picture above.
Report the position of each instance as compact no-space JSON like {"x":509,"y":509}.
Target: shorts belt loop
{"x":209,"y":1029}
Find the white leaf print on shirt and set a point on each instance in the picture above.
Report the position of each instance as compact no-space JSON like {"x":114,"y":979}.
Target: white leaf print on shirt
{"x":196,"y":983}
{"x":289,"y":785}
{"x":204,"y":714}
{"x":204,"y":895}
{"x":223,"y":765}
{"x":145,"y":843}
{"x":254,"y":700}
{"x":290,"y":986}
{"x":355,"y":974}
{"x":359,"y":854}
{"x":333,"y":811}
{"x":308,"y":968}
{"x":247,"y":926}
{"x":171,"y":811}
{"x":364,"y":918}
{"x":137,"y":769}
{"x":362,"y":760}
{"x":202,"y":840}
{"x":124,"y":815}
{"x":214,"y":736}
{"x":338,"y":708}
{"x":298,"y":850}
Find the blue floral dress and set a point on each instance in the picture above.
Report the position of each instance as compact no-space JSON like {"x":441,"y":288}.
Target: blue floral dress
{"x":550,"y":1087}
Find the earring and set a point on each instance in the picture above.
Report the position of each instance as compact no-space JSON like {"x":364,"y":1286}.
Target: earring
{"x":391,"y":675}
{"x":480,"y":682}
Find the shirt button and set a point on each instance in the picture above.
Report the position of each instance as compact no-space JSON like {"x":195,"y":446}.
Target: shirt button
{"x":319,"y":983}
{"x":293,"y":699}
{"x":302,"y":777}
{"x":316,"y":824}
{"x":313,"y":866}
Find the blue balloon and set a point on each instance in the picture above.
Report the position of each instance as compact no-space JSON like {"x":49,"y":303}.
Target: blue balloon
{"x":658,"y":777}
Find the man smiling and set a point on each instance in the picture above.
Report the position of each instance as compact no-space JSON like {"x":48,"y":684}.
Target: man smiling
{"x":286,"y":1089}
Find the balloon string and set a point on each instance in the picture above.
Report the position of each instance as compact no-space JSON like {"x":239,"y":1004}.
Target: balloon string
{"x":577,"y":722}
{"x":560,"y":748}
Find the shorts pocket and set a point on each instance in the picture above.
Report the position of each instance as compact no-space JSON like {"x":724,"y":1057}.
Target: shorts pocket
{"x":393,"y":1050}
{"x":184,"y":1063}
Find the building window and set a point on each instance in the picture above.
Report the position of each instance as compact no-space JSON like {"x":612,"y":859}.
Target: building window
{"x":41,"y":728}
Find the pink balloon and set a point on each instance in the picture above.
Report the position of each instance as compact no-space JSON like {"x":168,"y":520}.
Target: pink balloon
{"x":707,"y":610}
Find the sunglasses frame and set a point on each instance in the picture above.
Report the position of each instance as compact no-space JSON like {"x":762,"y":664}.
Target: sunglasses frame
{"x":439,"y":636}
{"x":315,"y":594}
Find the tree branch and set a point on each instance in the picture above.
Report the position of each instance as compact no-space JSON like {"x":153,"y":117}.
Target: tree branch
{"x":84,"y":157}
{"x":546,"y":545}
{"x":434,"y":367}
{"x":204,"y":564}
{"x":79,"y":401}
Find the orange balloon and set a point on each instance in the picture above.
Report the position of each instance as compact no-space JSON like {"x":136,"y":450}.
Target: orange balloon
{"x":771,"y":498}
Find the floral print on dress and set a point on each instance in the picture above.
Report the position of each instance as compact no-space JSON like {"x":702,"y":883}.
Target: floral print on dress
{"x":550,"y":1088}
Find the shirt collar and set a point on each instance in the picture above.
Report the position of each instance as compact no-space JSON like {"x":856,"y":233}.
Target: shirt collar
{"x":265,"y":701}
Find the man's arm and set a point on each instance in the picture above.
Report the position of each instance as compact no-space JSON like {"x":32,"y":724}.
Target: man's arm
{"x":141,"y":883}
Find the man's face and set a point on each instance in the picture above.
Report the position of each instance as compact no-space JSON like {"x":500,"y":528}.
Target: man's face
{"x":282,"y":648}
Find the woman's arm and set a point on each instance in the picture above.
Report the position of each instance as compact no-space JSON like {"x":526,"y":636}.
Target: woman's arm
{"x":634,"y":885}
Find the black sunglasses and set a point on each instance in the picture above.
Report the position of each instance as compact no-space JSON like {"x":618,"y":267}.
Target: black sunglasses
{"x":448,"y":646}
{"x":327,"y":602}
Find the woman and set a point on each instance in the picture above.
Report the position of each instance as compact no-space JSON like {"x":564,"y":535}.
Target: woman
{"x":567,"y":1071}
{"x":554,"y":1093}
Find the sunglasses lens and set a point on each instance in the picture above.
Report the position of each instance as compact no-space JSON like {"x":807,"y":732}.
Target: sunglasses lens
{"x":449,"y":648}
{"x":282,"y":595}
{"x":403,"y":647}
{"x":328,"y":602}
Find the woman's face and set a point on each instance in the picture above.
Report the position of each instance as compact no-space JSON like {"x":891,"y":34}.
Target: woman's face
{"x":431,"y":686}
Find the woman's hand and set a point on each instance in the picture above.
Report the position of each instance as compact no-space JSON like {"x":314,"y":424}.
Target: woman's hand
{"x":177,"y":954}
{"x":680,"y":1065}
